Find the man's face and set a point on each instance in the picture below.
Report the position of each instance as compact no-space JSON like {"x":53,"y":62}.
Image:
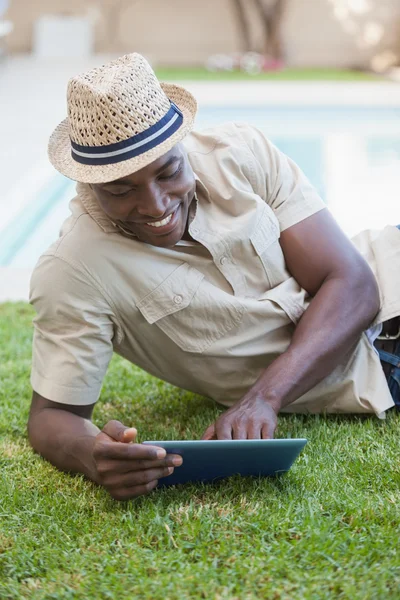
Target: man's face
{"x":152,"y":203}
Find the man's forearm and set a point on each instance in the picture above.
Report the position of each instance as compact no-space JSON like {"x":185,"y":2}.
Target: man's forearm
{"x":64,"y":439}
{"x":328,"y":330}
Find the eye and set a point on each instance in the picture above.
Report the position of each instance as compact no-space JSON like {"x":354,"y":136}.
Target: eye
{"x":173,"y":175}
{"x":120,"y":195}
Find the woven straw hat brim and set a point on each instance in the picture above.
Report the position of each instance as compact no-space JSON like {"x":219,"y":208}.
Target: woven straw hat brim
{"x":59,"y":149}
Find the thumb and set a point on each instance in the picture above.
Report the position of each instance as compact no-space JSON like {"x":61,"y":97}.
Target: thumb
{"x":129,"y":435}
{"x":119,"y":432}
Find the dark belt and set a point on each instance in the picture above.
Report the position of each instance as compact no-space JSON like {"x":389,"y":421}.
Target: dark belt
{"x":388,"y":340}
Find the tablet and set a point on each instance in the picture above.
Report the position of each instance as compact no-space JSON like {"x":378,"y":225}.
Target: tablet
{"x":215,"y":459}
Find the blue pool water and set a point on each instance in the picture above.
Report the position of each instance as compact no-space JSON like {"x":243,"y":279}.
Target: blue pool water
{"x":350,"y":154}
{"x":301,"y":133}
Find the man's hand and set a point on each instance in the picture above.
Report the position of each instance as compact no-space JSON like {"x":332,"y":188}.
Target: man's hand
{"x":125,"y":469}
{"x":252,"y":418}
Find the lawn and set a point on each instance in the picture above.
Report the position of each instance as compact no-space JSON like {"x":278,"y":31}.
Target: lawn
{"x":288,"y":74}
{"x":327,"y":529}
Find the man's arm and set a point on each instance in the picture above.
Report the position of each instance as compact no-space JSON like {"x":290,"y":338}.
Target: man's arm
{"x":72,"y":346}
{"x":66,"y":437}
{"x":63,"y":434}
{"x":345,"y":301}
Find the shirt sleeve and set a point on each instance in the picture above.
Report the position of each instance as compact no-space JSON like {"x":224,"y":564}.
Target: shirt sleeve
{"x":73,"y":332}
{"x":279,"y":181}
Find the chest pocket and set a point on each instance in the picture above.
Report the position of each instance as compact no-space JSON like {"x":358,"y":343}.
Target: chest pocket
{"x":190,"y":310}
{"x":265,"y":241}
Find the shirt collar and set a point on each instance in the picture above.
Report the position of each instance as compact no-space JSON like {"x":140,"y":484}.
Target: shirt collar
{"x":201,"y":189}
{"x":92,"y":207}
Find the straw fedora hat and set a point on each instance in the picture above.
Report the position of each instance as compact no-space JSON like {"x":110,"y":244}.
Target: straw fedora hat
{"x":120,"y":119}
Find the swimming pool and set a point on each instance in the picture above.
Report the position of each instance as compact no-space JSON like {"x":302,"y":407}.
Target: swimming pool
{"x":350,"y":154}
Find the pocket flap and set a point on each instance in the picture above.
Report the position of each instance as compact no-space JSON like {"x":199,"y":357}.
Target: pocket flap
{"x":266,"y":231}
{"x":173,"y":294}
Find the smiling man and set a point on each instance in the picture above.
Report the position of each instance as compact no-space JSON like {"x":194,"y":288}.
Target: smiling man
{"x":149,"y":218}
{"x":208,"y":260}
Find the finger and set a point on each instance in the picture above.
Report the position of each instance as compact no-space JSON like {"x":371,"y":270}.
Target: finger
{"x":267,"y":431}
{"x":254,"y":431}
{"x":171,"y":460}
{"x":125,"y":466}
{"x":133,"y":492}
{"x":209,"y":433}
{"x":136,"y":478}
{"x":239,"y":430}
{"x":120,"y":451}
{"x":223,"y":429}
{"x":116,"y":430}
{"x":129,"y":435}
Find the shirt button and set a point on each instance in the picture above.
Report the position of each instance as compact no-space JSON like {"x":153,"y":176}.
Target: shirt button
{"x":178,"y":299}
{"x":223,"y":260}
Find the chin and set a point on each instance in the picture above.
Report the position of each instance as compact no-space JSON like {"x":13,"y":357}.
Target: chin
{"x":169,"y":241}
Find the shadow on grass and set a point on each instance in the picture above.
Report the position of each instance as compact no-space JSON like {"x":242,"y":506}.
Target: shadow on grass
{"x":228,"y":492}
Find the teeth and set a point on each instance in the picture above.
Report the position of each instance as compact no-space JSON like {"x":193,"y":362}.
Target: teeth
{"x":161,"y":223}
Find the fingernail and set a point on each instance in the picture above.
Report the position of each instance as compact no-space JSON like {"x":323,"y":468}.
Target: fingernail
{"x":161,"y":454}
{"x":170,"y":470}
{"x":130,"y":431}
{"x":177,"y":461}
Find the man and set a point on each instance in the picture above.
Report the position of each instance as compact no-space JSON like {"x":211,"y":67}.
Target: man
{"x":208,"y":260}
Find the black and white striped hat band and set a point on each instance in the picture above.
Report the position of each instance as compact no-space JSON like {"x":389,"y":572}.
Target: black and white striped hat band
{"x":134,"y":146}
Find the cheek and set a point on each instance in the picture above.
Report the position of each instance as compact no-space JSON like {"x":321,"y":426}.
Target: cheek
{"x":102,"y":201}
{"x":103,"y":204}
{"x":112,"y":209}
{"x":186,"y":184}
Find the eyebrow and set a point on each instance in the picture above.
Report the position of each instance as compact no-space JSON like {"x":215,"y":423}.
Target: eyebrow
{"x":169,"y":162}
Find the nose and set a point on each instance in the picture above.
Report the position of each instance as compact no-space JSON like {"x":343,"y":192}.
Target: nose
{"x":152,"y":202}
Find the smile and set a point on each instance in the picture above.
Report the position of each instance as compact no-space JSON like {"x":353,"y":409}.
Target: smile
{"x":165,"y":226}
{"x":161,"y":223}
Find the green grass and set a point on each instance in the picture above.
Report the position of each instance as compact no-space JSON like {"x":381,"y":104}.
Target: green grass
{"x":201,"y":74}
{"x":327,"y":529}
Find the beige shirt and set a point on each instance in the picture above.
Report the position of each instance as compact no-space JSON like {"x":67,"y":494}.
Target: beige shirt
{"x":209,"y":316}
